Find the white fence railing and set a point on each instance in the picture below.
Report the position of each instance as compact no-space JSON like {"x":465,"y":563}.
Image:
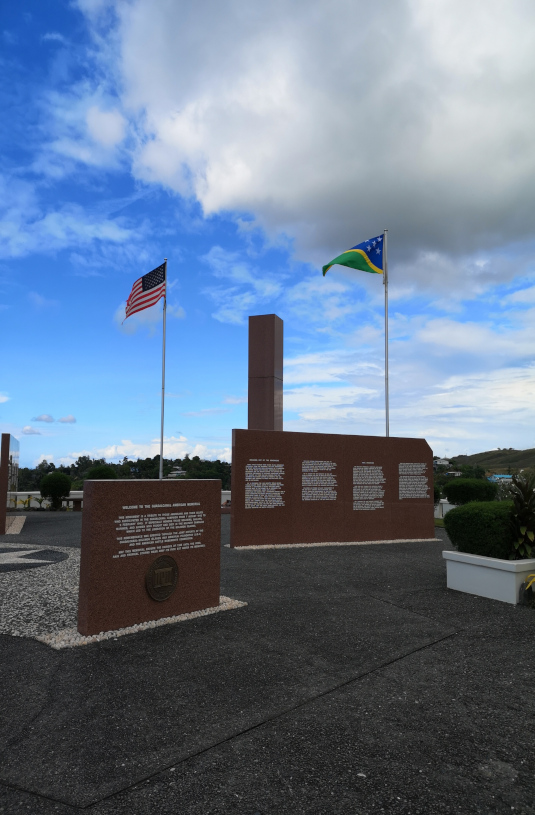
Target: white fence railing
{"x":22,"y":497}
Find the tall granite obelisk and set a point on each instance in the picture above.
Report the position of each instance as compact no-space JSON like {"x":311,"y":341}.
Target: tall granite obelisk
{"x":265,"y":372}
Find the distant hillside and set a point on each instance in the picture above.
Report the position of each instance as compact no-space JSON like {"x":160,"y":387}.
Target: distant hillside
{"x":500,"y":460}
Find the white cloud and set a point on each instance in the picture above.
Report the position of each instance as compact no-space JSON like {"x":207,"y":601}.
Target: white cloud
{"x":93,"y":8}
{"x":106,"y":127}
{"x":44,"y":457}
{"x":206,"y":412}
{"x":30,"y":431}
{"x":420,"y":117}
{"x":10,"y":38}
{"x":44,"y":417}
{"x":67,"y":419}
{"x":329,"y":367}
{"x":40,"y":302}
{"x":234,"y":400}
{"x":173,"y":448}
{"x":466,"y":411}
{"x":501,"y":342}
{"x":27,"y":227}
{"x":4,"y":398}
{"x":324,"y":403}
{"x":150,"y":318}
{"x":53,"y":36}
{"x":245,"y":288}
{"x":457,"y":414}
{"x":525,"y":297}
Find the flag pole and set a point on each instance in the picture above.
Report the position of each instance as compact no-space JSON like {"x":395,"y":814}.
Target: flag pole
{"x":385,"y":282}
{"x":163,"y":368}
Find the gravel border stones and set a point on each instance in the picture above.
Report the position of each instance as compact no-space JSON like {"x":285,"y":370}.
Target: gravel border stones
{"x":42,"y":604}
{"x":330,"y":543}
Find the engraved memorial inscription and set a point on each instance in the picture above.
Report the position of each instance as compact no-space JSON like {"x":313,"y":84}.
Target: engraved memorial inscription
{"x":318,"y":481}
{"x":264,"y":481}
{"x":368,"y":491}
{"x":178,"y":526}
{"x":413,"y":481}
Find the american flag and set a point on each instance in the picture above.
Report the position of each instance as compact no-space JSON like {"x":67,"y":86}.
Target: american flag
{"x":146,"y":291}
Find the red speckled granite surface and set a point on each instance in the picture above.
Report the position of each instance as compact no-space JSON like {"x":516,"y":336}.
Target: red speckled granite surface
{"x":332,"y":459}
{"x":121,"y":521}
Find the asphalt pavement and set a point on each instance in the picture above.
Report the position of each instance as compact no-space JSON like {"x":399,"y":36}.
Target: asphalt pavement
{"x":353,"y":682}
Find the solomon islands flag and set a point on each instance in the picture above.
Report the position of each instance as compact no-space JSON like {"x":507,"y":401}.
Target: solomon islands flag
{"x":366,"y":256}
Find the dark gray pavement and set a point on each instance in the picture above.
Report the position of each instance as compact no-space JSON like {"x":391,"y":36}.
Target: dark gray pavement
{"x":353,"y":682}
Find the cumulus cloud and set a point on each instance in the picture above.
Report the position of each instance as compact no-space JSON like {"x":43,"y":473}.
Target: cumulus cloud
{"x":173,"y":448}
{"x":44,"y":417}
{"x":30,"y":431}
{"x":419,"y":118}
{"x":44,"y":457}
{"x":4,"y":398}
{"x":67,"y":419}
{"x":106,"y":127}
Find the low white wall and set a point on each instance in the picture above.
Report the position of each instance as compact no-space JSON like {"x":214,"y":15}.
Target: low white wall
{"x":34,"y":504}
{"x":487,"y":576}
{"x":442,"y":507}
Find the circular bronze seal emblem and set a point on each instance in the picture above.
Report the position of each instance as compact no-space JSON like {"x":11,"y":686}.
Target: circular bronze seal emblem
{"x":161,"y":578}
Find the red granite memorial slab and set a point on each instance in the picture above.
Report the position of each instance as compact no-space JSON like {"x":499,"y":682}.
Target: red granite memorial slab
{"x":318,"y":487}
{"x":9,"y":474}
{"x":150,"y":549}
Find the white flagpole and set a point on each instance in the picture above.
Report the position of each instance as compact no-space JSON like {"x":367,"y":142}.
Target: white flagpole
{"x":163,"y":368}
{"x":385,"y":282}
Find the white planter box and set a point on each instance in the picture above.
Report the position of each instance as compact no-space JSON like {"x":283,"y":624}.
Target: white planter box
{"x":487,"y":576}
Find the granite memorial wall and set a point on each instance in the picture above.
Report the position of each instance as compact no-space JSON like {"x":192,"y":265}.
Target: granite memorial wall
{"x":9,"y":476}
{"x":315,"y":487}
{"x":150,"y":549}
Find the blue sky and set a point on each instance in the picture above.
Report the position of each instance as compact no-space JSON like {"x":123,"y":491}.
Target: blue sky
{"x":249,"y":143}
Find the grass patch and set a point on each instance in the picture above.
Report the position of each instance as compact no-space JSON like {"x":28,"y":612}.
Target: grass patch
{"x":439,"y":522}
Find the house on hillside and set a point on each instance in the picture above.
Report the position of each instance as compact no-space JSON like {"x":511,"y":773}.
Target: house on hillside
{"x":500,"y":478}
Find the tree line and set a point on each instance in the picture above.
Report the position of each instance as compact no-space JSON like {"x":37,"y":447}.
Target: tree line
{"x":195,"y":467}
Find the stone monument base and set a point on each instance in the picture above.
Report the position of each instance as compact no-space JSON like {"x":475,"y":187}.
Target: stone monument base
{"x":290,"y":488}
{"x":150,"y":549}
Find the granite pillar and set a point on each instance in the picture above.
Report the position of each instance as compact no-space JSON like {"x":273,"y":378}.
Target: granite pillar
{"x":9,"y":475}
{"x":265,"y":372}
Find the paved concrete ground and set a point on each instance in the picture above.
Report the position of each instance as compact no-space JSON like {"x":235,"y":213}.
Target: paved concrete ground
{"x":354,"y":682}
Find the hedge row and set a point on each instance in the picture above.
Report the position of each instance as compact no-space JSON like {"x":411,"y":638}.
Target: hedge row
{"x":482,"y":528}
{"x":462,"y":490}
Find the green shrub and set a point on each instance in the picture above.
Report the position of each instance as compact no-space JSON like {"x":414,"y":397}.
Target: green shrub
{"x":522,"y":492}
{"x":436,"y":494}
{"x":101,"y":472}
{"x":463,"y":490}
{"x":481,"y":528}
{"x":55,"y":486}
